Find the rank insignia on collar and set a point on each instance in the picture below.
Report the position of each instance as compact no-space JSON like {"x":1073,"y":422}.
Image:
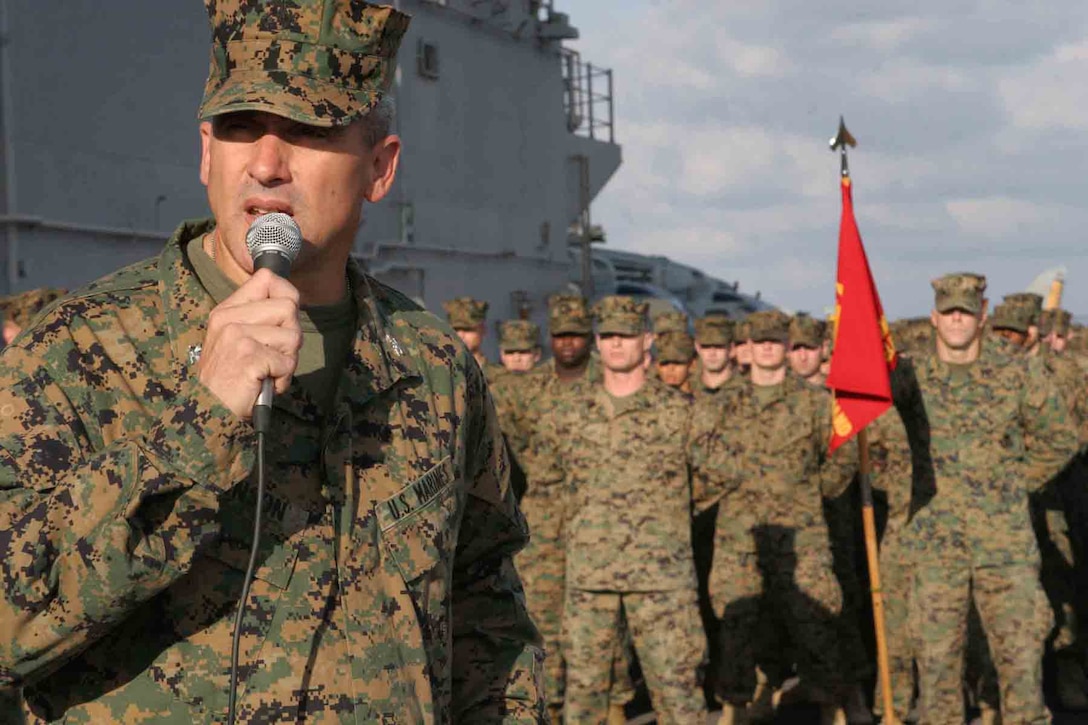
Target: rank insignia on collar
{"x":194,"y":354}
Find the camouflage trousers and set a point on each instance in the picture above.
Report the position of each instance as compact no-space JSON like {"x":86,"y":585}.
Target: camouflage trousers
{"x":773,"y":614}
{"x":1059,"y":572}
{"x":541,"y":565}
{"x":668,"y":640}
{"x":895,"y":580}
{"x":1015,"y":617}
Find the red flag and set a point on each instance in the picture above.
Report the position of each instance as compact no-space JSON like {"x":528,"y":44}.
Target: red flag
{"x":863,"y":352}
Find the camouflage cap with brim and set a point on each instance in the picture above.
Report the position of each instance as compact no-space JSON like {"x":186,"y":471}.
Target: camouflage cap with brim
{"x":742,"y":331}
{"x":1030,"y":301}
{"x":1057,"y":321}
{"x":807,"y":331}
{"x":959,"y":291}
{"x":769,"y":326}
{"x":1011,"y":317}
{"x":620,"y":315}
{"x":318,"y":62}
{"x":519,"y":336}
{"x":671,"y":321}
{"x":569,"y":314}
{"x":675,"y":347}
{"x":21,"y":308}
{"x":714,"y":330}
{"x":465,"y":313}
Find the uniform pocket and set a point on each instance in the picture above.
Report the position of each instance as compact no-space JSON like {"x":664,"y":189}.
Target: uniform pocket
{"x":419,"y":523}
{"x":201,"y":609}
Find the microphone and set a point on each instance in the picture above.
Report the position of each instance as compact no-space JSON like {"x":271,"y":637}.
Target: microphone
{"x":274,"y":241}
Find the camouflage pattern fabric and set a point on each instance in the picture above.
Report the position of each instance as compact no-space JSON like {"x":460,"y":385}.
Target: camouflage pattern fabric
{"x":627,"y":517}
{"x":23,"y":307}
{"x":807,"y":331}
{"x":913,"y":335}
{"x":522,"y":402}
{"x":1029,"y":301}
{"x":319,"y":62}
{"x":666,"y":322}
{"x":714,"y":330}
{"x":998,"y":429}
{"x":675,"y":347}
{"x":384,"y":589}
{"x":620,"y":315}
{"x":465,"y":313}
{"x":769,"y":326}
{"x":1011,"y":317}
{"x":569,"y":315}
{"x":665,"y":629}
{"x":902,"y":476}
{"x":959,"y":291}
{"x":519,"y":336}
{"x":763,"y":456}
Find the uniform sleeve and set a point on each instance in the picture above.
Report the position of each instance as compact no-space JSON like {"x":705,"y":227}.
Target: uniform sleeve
{"x":713,"y":461}
{"x":89,"y":530}
{"x":837,"y":469}
{"x":1050,"y":437}
{"x":497,"y":657}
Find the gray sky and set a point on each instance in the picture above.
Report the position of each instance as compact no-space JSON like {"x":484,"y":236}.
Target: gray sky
{"x":971,"y":118}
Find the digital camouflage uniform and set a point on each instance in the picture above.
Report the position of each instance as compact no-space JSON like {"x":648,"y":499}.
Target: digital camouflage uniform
{"x":712,"y":330}
{"x":903,"y":479}
{"x":23,"y":307}
{"x":384,"y":588}
{"x":623,"y":464}
{"x":524,"y":401}
{"x":998,"y":429}
{"x":762,"y":454}
{"x":466,"y":313}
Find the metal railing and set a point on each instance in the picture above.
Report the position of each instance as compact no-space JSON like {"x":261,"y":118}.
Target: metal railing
{"x":587,"y":98}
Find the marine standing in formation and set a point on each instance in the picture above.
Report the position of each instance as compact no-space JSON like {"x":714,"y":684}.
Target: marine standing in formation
{"x":384,"y":586}
{"x":761,"y":452}
{"x":619,"y":450}
{"x":713,"y":345}
{"x":998,"y":428}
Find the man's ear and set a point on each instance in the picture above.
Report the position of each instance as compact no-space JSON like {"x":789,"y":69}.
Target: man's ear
{"x":383,"y":158}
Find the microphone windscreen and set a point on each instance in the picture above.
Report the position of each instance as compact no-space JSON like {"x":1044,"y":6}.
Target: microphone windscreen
{"x":274,"y":233}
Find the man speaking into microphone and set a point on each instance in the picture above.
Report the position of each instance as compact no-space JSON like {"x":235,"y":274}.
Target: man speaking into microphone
{"x":383,"y":588}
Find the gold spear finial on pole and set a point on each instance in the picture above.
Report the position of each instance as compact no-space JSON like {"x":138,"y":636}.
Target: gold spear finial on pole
{"x":839,"y":143}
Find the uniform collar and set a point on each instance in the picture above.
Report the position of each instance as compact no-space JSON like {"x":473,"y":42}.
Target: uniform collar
{"x":380,"y":358}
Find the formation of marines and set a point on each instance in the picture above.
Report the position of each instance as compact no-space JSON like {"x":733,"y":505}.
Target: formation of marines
{"x":686,"y":514}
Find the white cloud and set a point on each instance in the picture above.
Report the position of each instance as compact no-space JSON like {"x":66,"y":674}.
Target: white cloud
{"x":1051,"y":92}
{"x":969,"y":118}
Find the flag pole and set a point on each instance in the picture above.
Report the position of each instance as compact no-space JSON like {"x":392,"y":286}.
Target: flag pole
{"x":842,"y":140}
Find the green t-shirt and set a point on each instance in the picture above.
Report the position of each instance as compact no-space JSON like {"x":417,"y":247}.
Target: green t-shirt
{"x":328,"y":331}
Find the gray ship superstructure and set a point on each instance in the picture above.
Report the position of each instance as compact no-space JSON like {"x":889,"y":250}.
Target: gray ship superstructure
{"x":508,"y":137}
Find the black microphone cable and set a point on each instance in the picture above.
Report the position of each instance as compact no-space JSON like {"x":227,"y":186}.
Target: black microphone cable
{"x":274,"y":240}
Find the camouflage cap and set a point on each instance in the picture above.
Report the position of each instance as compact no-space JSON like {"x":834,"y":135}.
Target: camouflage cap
{"x":319,"y":62}
{"x":959,"y":291}
{"x":807,"y":331}
{"x":1011,"y":317}
{"x":22,"y":307}
{"x":714,"y":330}
{"x":1030,"y":301}
{"x":674,"y":321}
{"x":620,"y":315}
{"x":1058,"y":321}
{"x":519,"y":336}
{"x":569,"y":315}
{"x":742,"y":331}
{"x":769,"y":326}
{"x":465,"y":313}
{"x":675,"y":347}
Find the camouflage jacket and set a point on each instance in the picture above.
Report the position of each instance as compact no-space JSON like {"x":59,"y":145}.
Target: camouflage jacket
{"x":1073,"y":386}
{"x":625,"y":477}
{"x":384,"y":590}
{"x":997,"y":430}
{"x":700,"y":390}
{"x":767,"y":463}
